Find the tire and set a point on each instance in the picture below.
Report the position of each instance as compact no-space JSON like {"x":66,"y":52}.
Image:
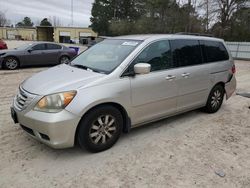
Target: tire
{"x":11,"y":63}
{"x":100,"y":129}
{"x":215,"y":99}
{"x":64,"y":60}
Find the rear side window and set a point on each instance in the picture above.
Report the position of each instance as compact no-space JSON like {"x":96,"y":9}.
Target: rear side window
{"x":53,"y":47}
{"x":214,"y":51}
{"x":186,"y":52}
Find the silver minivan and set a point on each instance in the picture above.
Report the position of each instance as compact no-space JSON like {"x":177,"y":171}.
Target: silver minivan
{"x":121,"y":83}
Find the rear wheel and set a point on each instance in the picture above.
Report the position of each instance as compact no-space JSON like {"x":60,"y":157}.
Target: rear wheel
{"x":100,"y":128}
{"x":64,"y":60}
{"x":11,"y":63}
{"x":215,"y":99}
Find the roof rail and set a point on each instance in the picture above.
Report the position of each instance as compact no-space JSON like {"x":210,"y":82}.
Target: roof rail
{"x":194,"y":34}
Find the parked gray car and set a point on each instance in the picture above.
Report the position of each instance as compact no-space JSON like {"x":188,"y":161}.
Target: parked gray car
{"x":121,"y":83}
{"x":36,"y":54}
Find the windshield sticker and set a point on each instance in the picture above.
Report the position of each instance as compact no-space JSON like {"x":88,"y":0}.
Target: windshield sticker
{"x":130,"y":43}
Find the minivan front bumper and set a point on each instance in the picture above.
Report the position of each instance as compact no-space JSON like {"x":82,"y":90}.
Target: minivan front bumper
{"x":54,"y":129}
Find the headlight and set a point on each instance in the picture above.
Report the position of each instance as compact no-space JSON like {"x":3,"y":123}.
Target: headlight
{"x":55,"y":102}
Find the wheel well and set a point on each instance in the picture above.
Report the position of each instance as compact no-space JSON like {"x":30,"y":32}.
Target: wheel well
{"x":126,"y":120}
{"x":64,"y":55}
{"x":12,"y":56}
{"x":220,"y":83}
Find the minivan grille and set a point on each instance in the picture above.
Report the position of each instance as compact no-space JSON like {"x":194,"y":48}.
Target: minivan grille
{"x":23,"y":99}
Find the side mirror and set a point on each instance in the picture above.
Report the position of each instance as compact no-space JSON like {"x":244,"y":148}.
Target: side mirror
{"x":30,"y":50}
{"x":142,"y":68}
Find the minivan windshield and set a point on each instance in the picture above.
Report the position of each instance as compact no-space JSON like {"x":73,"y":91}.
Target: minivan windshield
{"x":105,"y":56}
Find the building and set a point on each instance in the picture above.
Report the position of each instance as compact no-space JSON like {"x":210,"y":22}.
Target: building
{"x":77,"y":35}
{"x":65,"y":34}
{"x":18,"y":33}
{"x":43,"y":33}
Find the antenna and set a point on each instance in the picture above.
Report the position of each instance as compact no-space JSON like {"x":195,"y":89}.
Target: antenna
{"x":72,"y":11}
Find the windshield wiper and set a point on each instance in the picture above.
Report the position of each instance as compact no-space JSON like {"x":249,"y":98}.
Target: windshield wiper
{"x":85,"y":68}
{"x":81,"y":66}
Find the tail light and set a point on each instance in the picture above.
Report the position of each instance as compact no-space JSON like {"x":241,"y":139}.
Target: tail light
{"x":4,"y":45}
{"x":233,"y":69}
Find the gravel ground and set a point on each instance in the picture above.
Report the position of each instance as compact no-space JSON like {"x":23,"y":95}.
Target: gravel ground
{"x":194,"y":149}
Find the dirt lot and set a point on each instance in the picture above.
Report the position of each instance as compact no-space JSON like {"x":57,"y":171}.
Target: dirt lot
{"x":183,"y":151}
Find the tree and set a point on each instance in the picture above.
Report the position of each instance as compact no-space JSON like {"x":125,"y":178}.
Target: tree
{"x":102,"y":13}
{"x":3,"y":20}
{"x":25,"y":23}
{"x":223,"y":18}
{"x":167,"y":16}
{"x":107,"y":13}
{"x":45,"y":22}
{"x":189,"y":18}
{"x":239,"y":26}
{"x":221,"y":12}
{"x":208,"y":13}
{"x":226,"y":9}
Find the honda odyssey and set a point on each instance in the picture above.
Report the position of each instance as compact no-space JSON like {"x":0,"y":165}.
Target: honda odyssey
{"x":121,"y":83}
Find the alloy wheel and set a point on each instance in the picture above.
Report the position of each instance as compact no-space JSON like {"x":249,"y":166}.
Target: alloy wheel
{"x":216,"y":99}
{"x":64,"y":60}
{"x":11,"y":63}
{"x":102,"y":129}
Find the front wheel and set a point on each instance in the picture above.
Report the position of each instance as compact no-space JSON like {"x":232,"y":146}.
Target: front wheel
{"x":100,"y":128}
{"x":11,"y":63}
{"x":215,"y":99}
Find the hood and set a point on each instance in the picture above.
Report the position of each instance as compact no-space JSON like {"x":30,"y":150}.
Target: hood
{"x":5,"y":51}
{"x":59,"y":78}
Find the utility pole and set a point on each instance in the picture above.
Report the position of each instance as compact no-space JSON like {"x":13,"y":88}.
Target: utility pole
{"x":72,"y":11}
{"x":188,"y":29}
{"x":114,"y":16}
{"x":207,"y":24}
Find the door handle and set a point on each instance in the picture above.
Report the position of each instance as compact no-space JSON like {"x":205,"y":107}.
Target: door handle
{"x":185,"y":75}
{"x":170,"y":77}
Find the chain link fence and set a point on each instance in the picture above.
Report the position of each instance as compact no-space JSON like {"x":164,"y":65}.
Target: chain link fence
{"x":239,"y":50}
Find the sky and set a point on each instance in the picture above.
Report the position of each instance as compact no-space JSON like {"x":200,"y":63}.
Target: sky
{"x":16,"y":10}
